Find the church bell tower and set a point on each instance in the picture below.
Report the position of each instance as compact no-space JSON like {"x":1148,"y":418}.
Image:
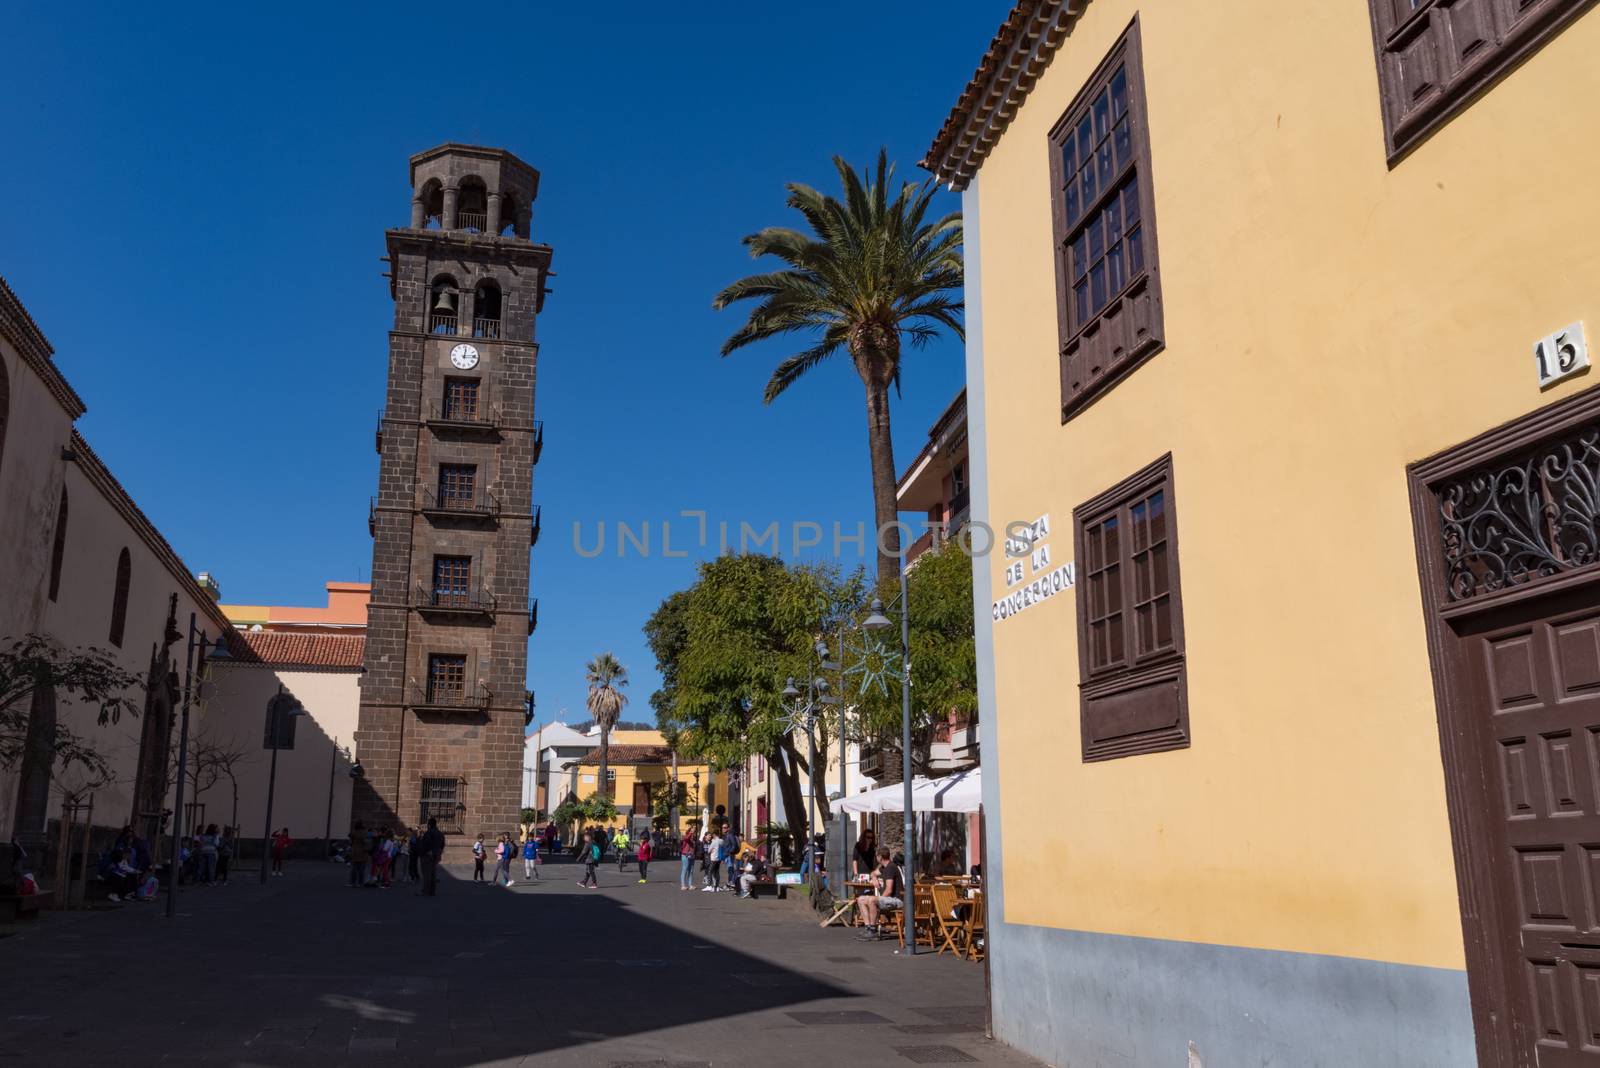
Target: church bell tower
{"x":442,"y":698}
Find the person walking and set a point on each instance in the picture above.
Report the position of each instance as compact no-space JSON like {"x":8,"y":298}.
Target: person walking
{"x":430,"y":848}
{"x":280,"y":849}
{"x":645,"y":853}
{"x":592,"y":850}
{"x":686,"y":860}
{"x":478,"y":855}
{"x":503,"y":851}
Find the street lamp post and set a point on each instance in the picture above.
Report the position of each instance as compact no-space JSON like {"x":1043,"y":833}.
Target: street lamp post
{"x":878,"y":621}
{"x":217,"y":654}
{"x":280,"y":706}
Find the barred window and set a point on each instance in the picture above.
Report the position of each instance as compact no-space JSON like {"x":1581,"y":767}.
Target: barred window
{"x":461,"y":399}
{"x":457,"y":483}
{"x":452,"y":580}
{"x":441,"y":801}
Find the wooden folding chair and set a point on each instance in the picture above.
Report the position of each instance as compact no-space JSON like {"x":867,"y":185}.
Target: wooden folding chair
{"x":922,"y":921}
{"x":977,"y":927}
{"x":949,"y":928}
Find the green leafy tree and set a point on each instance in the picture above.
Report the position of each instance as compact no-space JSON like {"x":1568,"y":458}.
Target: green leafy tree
{"x":944,"y":662}
{"x":873,"y":273}
{"x":726,"y":647}
{"x":606,"y":700}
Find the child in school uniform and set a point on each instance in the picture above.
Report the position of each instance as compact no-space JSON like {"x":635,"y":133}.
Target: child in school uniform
{"x":478,"y":855}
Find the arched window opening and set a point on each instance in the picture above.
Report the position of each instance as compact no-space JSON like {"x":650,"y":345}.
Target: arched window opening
{"x":5,"y":408}
{"x":432,"y":204}
{"x":58,"y":552}
{"x":508,"y":215}
{"x":119,"y":598}
{"x":472,"y":209}
{"x":486,"y":310}
{"x":443,"y":305}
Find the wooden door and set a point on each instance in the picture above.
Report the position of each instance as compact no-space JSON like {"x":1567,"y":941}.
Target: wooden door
{"x":1532,"y":671}
{"x":641,"y":799}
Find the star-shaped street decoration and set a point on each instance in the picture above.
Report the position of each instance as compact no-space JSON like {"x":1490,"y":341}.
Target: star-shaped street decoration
{"x":875,"y":662}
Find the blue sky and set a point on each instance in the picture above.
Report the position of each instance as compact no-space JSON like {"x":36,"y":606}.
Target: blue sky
{"x":195,"y":206}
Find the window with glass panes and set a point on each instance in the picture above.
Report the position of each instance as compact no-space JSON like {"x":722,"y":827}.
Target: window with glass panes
{"x":461,"y":399}
{"x":1130,"y":630}
{"x":452,"y":579}
{"x":1107,"y":286}
{"x":447,"y":676}
{"x":456,"y":484}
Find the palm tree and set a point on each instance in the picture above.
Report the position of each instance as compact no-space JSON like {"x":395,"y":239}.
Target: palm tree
{"x":875,"y":274}
{"x":606,"y":700}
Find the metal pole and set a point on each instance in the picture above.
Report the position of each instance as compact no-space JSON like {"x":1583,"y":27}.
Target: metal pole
{"x":673,"y":818}
{"x":811,"y":796}
{"x":839,"y":660}
{"x":905,"y":748}
{"x":175,"y":862}
{"x":272,"y":780}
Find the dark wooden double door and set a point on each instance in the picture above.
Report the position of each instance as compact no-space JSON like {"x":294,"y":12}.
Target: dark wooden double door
{"x":1530,"y":676}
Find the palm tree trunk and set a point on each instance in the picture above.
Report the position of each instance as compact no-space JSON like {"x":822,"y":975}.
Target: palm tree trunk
{"x":885,"y":506}
{"x":605,"y":758}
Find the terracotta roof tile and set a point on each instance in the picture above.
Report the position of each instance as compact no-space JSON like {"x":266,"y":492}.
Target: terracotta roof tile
{"x":631,"y":754}
{"x":303,"y":650}
{"x":1016,"y":57}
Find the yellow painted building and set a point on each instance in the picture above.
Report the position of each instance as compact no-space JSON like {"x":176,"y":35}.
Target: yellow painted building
{"x":1281,"y":418}
{"x":639,"y":764}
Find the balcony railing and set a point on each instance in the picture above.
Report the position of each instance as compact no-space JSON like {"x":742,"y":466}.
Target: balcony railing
{"x":466,"y":699}
{"x":441,"y":324}
{"x":479,"y":602}
{"x":489,"y":328}
{"x":481,"y":505}
{"x":471,"y":221}
{"x":377,"y":438}
{"x":372,"y":516}
{"x":533,"y":534}
{"x":538,"y":439}
{"x":476,"y":416}
{"x":533,"y":615}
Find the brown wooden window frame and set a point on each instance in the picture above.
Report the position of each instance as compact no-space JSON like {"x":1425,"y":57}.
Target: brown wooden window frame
{"x":119,"y":598}
{"x":462,"y":397}
{"x":455,"y":475}
{"x":1100,"y":348}
{"x":438,"y":661}
{"x":1435,"y":57}
{"x":1136,"y":702}
{"x":452,"y":579}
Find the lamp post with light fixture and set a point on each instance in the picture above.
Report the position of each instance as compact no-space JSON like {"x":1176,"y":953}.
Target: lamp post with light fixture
{"x":876,"y":621}
{"x":217,"y":654}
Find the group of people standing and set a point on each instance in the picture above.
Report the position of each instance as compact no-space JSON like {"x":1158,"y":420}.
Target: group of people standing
{"x":383,"y":857}
{"x":715,"y":851}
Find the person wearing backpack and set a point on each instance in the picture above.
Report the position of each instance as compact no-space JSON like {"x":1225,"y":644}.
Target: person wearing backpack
{"x":592,"y":850}
{"x":530,"y":858}
{"x":686,"y":859}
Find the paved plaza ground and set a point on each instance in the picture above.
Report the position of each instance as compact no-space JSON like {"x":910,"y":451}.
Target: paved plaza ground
{"x":305,"y":971}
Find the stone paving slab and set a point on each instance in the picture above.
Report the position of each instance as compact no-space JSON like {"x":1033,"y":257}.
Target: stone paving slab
{"x":304,"y":971}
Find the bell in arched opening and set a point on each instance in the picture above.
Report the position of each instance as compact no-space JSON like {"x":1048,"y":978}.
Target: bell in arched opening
{"x":442,"y":313}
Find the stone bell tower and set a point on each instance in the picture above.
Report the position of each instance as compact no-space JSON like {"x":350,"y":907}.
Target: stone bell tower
{"x":442,"y":698}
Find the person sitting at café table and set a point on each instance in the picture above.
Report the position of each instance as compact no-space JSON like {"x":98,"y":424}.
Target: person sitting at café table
{"x":861,"y":856}
{"x":887,"y":893}
{"x":947,"y":864}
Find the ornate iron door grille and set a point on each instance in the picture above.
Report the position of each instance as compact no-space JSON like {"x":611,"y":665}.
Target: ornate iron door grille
{"x":1513,"y":522}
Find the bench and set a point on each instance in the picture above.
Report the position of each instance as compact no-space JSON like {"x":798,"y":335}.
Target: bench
{"x":769,"y":887}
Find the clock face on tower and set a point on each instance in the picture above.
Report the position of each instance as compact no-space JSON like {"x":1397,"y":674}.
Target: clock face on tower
{"x":464,"y":356}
